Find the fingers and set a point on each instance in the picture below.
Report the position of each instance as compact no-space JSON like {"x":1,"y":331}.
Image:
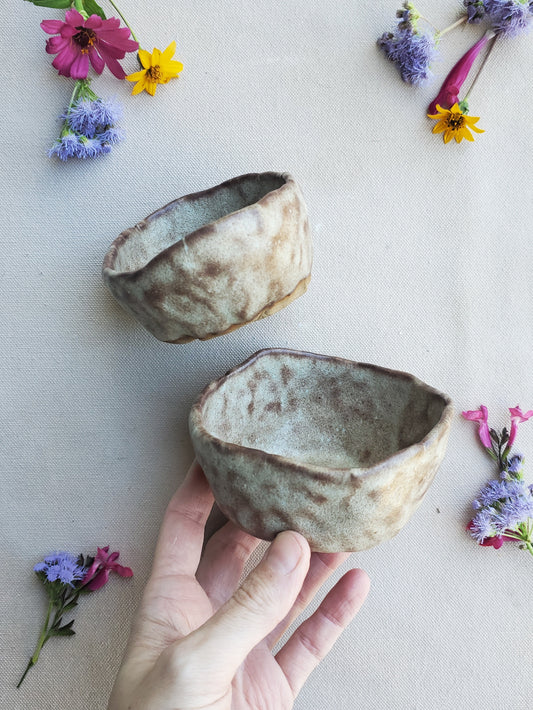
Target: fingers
{"x":223,"y":562}
{"x":180,"y":540}
{"x":315,"y":637}
{"x":255,"y":609}
{"x":322,"y":566}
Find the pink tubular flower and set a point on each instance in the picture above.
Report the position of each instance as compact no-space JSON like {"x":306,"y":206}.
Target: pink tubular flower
{"x":517,"y":417}
{"x":449,"y":92}
{"x":79,"y":40}
{"x":481,"y":416}
{"x":104,"y":563}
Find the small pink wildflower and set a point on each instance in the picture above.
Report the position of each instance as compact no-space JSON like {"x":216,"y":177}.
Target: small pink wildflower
{"x":79,"y":41}
{"x":104,"y":563}
{"x":517,"y":417}
{"x":481,"y":416}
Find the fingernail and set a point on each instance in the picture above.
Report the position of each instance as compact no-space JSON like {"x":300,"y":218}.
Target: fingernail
{"x":285,"y":553}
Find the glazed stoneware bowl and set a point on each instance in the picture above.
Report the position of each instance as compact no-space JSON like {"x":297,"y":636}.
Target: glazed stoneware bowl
{"x":340,"y":451}
{"x":213,"y":261}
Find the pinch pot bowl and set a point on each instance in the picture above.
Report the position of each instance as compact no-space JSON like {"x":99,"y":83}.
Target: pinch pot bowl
{"x":210,"y":262}
{"x":340,"y":451}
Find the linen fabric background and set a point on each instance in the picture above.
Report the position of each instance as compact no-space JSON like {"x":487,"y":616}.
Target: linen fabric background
{"x":423,"y":259}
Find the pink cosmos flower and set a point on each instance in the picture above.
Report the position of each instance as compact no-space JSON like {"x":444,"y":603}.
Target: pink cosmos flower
{"x":449,"y":92}
{"x":481,"y":416}
{"x":517,"y":417}
{"x":104,"y":563}
{"x":79,"y":41}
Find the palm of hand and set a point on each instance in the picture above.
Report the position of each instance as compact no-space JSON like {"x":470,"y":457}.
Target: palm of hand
{"x":181,"y":655}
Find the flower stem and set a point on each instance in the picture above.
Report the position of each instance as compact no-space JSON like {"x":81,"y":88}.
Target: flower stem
{"x":43,"y":638}
{"x":485,"y":58}
{"x":452,"y":27}
{"x":124,"y":21}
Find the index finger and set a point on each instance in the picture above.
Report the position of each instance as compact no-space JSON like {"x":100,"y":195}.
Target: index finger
{"x":181,"y":536}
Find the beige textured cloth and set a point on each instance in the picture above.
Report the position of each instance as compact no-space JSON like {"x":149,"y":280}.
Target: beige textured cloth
{"x":423,"y":262}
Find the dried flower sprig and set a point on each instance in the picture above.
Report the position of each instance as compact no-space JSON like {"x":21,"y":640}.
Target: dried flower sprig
{"x":505,"y":505}
{"x":65,"y":577}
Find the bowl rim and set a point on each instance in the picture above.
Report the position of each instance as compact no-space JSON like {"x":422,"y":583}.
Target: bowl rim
{"x":328,"y":473}
{"x":201,"y":233}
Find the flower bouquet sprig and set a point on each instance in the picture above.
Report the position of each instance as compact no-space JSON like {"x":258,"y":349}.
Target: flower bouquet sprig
{"x":65,"y":577}
{"x":505,"y":505}
{"x":89,"y":41}
{"x":413,"y":48}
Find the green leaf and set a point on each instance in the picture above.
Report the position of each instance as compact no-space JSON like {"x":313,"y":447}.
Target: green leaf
{"x":63,"y":631}
{"x":70,"y":606}
{"x":92,"y":8}
{"x":61,"y":4}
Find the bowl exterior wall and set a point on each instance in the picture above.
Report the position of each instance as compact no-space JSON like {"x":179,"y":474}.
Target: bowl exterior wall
{"x":242,"y":267}
{"x":264,"y":494}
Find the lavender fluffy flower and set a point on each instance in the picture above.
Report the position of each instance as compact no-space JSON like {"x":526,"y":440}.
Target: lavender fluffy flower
{"x":67,"y":146}
{"x":62,"y":567}
{"x":509,"y":17}
{"x":412,"y":53}
{"x":475,"y":10}
{"x":482,"y":525}
{"x":515,"y":464}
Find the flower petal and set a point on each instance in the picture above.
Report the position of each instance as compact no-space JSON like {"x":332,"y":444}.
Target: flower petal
{"x":137,"y":76}
{"x":96,"y":60}
{"x":94,"y":22}
{"x":74,"y":18}
{"x":145,"y":57}
{"x":52,"y":27}
{"x":80,"y":67}
{"x":169,"y":52}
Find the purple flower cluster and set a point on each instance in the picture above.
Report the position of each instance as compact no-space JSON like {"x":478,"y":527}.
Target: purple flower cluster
{"x":410,"y":49}
{"x":503,"y":506}
{"x":62,"y":567}
{"x":88,"y":129}
{"x":509,"y":17}
{"x":475,"y":10}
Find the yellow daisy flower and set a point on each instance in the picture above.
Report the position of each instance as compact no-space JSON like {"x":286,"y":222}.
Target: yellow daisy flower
{"x":454,"y":124}
{"x":159,"y":68}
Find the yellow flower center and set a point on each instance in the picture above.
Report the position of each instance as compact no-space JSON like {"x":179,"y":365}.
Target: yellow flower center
{"x":455,"y":121}
{"x":154,"y":73}
{"x":85,"y":38}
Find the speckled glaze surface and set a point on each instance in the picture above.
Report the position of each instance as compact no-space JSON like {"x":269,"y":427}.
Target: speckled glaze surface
{"x":212,"y":261}
{"x":342,"y":452}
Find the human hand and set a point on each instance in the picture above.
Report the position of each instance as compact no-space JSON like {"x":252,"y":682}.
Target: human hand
{"x":200,"y":642}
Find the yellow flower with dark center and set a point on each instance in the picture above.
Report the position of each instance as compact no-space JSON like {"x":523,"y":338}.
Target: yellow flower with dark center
{"x":158,"y":68}
{"x":453,"y":123}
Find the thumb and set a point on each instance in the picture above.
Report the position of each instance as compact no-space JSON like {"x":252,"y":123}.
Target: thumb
{"x":263,"y":600}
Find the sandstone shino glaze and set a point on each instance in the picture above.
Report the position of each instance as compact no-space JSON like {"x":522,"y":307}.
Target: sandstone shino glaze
{"x":212,"y":261}
{"x":340,"y":451}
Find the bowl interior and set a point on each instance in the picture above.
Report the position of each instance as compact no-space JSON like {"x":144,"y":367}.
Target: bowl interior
{"x":172,"y":223}
{"x":321,"y":411}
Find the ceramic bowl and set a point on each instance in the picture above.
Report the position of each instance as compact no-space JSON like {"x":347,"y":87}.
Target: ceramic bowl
{"x":340,"y":451}
{"x":212,"y":261}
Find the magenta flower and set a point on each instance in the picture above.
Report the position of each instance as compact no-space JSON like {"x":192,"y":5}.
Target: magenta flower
{"x":449,"y":92}
{"x":517,"y":417}
{"x":481,"y":416}
{"x":104,"y":563}
{"x":79,"y":41}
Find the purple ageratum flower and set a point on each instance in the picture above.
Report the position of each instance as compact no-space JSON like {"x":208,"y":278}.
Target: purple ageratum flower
{"x":411,"y":52}
{"x":111,"y":136}
{"x":90,"y":117}
{"x":67,"y":146}
{"x":509,"y":17}
{"x":475,"y":10}
{"x":514,"y":464}
{"x":482,"y":525}
{"x":62,"y":567}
